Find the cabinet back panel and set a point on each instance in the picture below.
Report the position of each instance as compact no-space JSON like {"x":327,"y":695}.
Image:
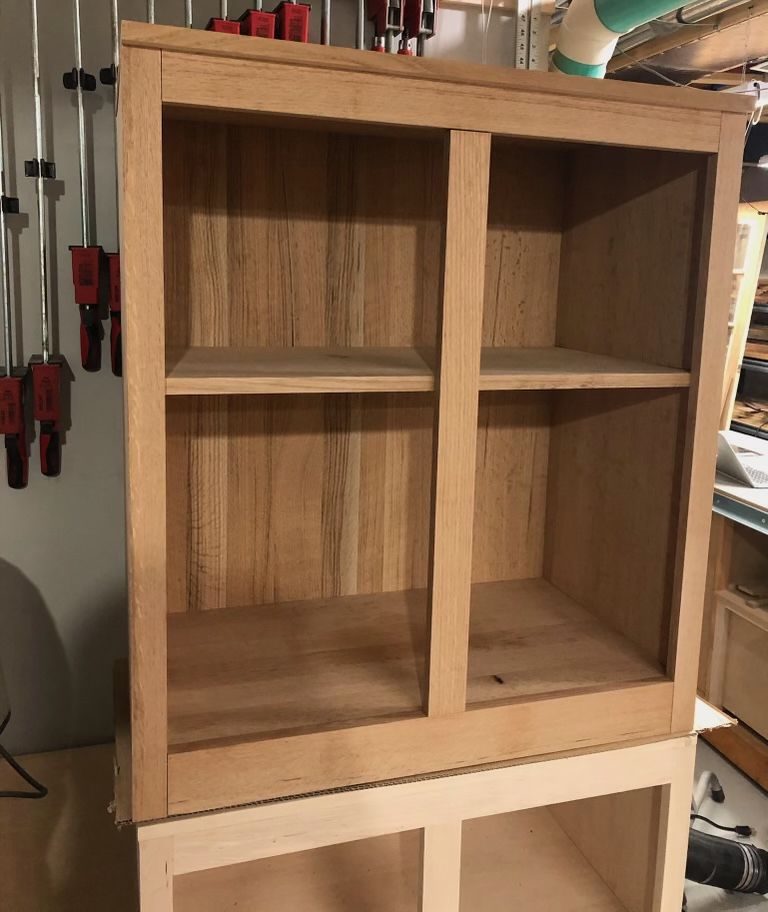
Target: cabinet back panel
{"x":511,"y":485}
{"x":282,"y":498}
{"x":629,"y":254}
{"x":612,"y":507}
{"x":525,"y":215}
{"x":277,"y":237}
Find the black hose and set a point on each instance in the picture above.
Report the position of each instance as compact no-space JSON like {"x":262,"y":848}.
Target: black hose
{"x":725,"y":863}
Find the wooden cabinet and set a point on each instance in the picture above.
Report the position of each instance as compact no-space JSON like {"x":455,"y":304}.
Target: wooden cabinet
{"x":422,"y":369}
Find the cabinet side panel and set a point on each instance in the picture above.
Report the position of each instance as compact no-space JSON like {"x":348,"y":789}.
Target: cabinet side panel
{"x":618,"y":835}
{"x":719,"y":208}
{"x":632,"y":226}
{"x":142,"y":278}
{"x":525,"y":215}
{"x":615,"y":466}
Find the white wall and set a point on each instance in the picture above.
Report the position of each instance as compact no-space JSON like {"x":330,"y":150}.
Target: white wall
{"x":62,"y":567}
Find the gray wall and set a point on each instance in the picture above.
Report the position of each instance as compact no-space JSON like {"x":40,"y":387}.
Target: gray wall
{"x":62,"y":565}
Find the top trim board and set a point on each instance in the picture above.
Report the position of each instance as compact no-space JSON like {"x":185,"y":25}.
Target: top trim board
{"x":214,"y":44}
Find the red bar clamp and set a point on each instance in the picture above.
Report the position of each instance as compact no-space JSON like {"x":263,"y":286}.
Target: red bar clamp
{"x":90,"y":275}
{"x":46,"y":399}
{"x":227,"y":26}
{"x":13,"y":428}
{"x":258,"y":24}
{"x":293,"y":21}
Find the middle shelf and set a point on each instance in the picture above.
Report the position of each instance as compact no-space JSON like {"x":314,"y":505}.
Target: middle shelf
{"x":298,"y":667}
{"x":208,"y":370}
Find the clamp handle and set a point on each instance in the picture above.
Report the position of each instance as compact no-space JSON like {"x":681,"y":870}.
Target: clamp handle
{"x":75,"y":78}
{"x":16,"y":461}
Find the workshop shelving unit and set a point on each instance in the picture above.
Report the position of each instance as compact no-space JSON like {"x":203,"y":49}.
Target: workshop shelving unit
{"x":418,"y":472}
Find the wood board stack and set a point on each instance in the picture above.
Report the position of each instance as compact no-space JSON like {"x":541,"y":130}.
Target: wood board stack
{"x":420,"y":439}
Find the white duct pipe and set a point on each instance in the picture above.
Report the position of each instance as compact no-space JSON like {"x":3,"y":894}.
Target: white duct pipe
{"x":591,"y":28}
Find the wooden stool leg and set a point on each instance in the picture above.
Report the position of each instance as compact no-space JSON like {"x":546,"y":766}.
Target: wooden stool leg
{"x":441,"y":867}
{"x":156,"y":874}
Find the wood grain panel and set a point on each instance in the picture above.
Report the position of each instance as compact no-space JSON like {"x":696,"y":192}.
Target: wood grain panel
{"x":246,"y":771}
{"x":614,"y":488}
{"x":301,"y":238}
{"x":376,"y":875}
{"x":511,"y":485}
{"x":623,"y":855}
{"x":281,"y":498}
{"x":712,"y":277}
{"x":450,"y":571}
{"x":265,"y":87}
{"x":142,"y":279}
{"x":630,"y":243}
{"x":525,"y":220}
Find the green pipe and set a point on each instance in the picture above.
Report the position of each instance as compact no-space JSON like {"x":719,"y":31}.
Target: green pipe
{"x":622,"y":16}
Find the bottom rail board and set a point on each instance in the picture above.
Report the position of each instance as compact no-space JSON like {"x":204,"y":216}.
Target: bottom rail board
{"x":241,"y":773}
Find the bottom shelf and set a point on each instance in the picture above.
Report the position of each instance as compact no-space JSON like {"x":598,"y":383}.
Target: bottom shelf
{"x":522,"y":860}
{"x":307,"y":666}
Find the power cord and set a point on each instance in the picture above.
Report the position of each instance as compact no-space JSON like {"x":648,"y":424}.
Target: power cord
{"x":39,"y":790}
{"x":740,"y":830}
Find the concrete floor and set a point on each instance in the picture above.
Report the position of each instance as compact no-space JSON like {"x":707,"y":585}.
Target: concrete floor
{"x":744,"y":803}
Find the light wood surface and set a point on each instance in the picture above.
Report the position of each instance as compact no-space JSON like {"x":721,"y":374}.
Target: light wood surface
{"x":313,"y":56}
{"x":142,"y":266}
{"x":563,"y":368}
{"x":307,"y":666}
{"x":204,"y":778}
{"x":370,"y":875}
{"x":450,"y":571}
{"x":613,"y":486}
{"x":205,"y":371}
{"x":340,"y":247}
{"x":360,"y":849}
{"x":261,"y":87}
{"x":441,"y":867}
{"x":628,"y":289}
{"x":211,"y":371}
{"x":64,"y":852}
{"x":698,"y":470}
{"x":746,"y":673}
{"x":362,"y":240}
{"x":278,"y":498}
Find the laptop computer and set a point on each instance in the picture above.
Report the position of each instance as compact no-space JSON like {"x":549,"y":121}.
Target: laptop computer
{"x":747,"y":466}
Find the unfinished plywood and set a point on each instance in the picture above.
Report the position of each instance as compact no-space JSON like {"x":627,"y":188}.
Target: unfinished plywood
{"x":276,"y":499}
{"x":369,"y":875}
{"x":340,"y":246}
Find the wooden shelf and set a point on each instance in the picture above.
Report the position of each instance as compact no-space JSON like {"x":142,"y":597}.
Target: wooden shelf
{"x":328,"y":663}
{"x":564,"y":368}
{"x":225,"y":371}
{"x":221,"y":371}
{"x":505,"y":860}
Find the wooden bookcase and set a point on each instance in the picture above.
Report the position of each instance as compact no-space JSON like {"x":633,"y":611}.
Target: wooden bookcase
{"x":422,"y":370}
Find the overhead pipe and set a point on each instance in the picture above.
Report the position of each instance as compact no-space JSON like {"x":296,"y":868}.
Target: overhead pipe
{"x":591,"y":29}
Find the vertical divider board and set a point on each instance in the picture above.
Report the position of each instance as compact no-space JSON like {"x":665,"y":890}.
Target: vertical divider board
{"x":720,"y":209}
{"x":457,"y":382}
{"x":441,"y":867}
{"x":141,"y":206}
